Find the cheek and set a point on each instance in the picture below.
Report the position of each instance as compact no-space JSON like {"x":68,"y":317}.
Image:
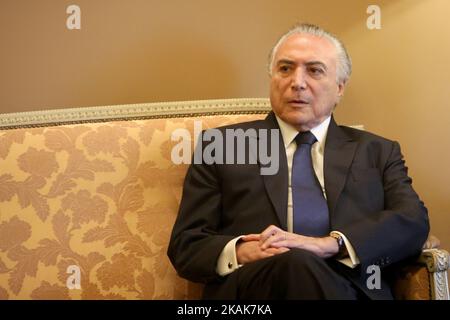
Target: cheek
{"x":273,"y":88}
{"x":276,"y":93}
{"x":279,"y":84}
{"x":325,"y":98}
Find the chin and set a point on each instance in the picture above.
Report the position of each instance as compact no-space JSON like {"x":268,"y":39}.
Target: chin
{"x":298,"y":117}
{"x":296,"y":121}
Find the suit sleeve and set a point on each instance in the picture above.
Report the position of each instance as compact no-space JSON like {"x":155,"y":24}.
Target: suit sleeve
{"x":398,"y":231}
{"x":195,"y":243}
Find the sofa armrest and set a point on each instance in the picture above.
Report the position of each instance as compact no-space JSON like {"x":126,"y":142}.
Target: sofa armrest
{"x":437,"y":263}
{"x":424,"y":279}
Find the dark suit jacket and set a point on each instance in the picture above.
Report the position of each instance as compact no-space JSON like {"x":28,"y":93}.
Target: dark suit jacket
{"x":369,"y":195}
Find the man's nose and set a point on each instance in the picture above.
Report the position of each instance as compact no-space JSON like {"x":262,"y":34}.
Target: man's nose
{"x":298,"y":80}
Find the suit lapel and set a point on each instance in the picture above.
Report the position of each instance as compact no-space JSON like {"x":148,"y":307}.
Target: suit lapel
{"x":339,"y":152}
{"x":277,"y":185}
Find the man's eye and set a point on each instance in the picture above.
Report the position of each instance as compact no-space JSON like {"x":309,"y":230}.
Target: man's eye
{"x":316,"y":71}
{"x":284,"y":68}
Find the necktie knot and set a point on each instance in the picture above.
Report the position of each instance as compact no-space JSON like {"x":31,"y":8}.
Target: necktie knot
{"x":305,"y":138}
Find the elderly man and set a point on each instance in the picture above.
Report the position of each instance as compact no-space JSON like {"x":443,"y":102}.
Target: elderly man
{"x":340,"y":206}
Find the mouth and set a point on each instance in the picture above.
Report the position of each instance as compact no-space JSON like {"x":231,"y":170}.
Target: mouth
{"x":298,"y":102}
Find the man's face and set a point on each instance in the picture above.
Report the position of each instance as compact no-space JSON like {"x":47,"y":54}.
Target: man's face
{"x":303,"y":87}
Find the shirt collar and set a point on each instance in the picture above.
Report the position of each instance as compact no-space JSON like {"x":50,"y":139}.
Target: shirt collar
{"x":289,"y":133}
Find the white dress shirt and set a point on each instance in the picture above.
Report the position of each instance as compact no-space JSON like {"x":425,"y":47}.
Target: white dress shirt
{"x":227,"y":261}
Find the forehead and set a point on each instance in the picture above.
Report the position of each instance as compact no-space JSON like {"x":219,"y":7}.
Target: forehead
{"x":306,"y":47}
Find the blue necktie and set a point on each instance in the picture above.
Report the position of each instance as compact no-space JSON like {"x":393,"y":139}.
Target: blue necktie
{"x":310,"y":207}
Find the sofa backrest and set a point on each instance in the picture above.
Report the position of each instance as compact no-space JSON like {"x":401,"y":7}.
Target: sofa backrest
{"x":88,"y":196}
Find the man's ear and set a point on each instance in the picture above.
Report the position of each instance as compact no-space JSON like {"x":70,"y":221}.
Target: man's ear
{"x":340,"y":93}
{"x":341,"y":87}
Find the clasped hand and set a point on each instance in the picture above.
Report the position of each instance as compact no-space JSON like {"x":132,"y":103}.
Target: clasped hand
{"x":274,"y":240}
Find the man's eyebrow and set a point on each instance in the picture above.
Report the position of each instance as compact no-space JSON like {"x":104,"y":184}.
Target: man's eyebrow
{"x":309,"y":63}
{"x":285,"y":61}
{"x":312,"y":63}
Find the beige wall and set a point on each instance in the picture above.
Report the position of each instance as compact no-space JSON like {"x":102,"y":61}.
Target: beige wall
{"x":144,"y":51}
{"x":401,"y":89}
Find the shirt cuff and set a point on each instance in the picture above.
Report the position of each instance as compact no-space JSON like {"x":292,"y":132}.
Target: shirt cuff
{"x":227,"y":261}
{"x":352,"y":260}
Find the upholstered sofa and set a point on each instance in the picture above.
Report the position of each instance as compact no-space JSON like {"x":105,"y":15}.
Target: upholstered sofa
{"x":88,"y":197}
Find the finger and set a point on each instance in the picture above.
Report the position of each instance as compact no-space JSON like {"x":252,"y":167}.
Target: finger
{"x":251,"y":237}
{"x":270,"y":231}
{"x":283,"y":239}
{"x":281,"y":243}
{"x":254,"y":254}
{"x":275,"y":238}
{"x":267,"y":232}
{"x":283,"y":250}
{"x":274,"y":251}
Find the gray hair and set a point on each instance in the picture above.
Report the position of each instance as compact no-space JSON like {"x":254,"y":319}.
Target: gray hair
{"x":344,"y":64}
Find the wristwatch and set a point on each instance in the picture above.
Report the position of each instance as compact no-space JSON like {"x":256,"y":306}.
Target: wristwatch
{"x":341,"y":244}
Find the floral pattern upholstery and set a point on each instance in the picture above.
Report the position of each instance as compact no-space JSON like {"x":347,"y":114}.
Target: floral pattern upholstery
{"x":100,"y":196}
{"x":412,"y":284}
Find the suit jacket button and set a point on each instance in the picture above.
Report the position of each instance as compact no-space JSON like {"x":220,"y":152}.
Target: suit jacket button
{"x":230,"y":265}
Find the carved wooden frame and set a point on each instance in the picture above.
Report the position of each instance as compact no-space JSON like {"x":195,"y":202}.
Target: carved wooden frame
{"x":134,"y":111}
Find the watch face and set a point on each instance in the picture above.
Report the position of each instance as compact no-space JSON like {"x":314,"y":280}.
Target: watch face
{"x":339,"y":240}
